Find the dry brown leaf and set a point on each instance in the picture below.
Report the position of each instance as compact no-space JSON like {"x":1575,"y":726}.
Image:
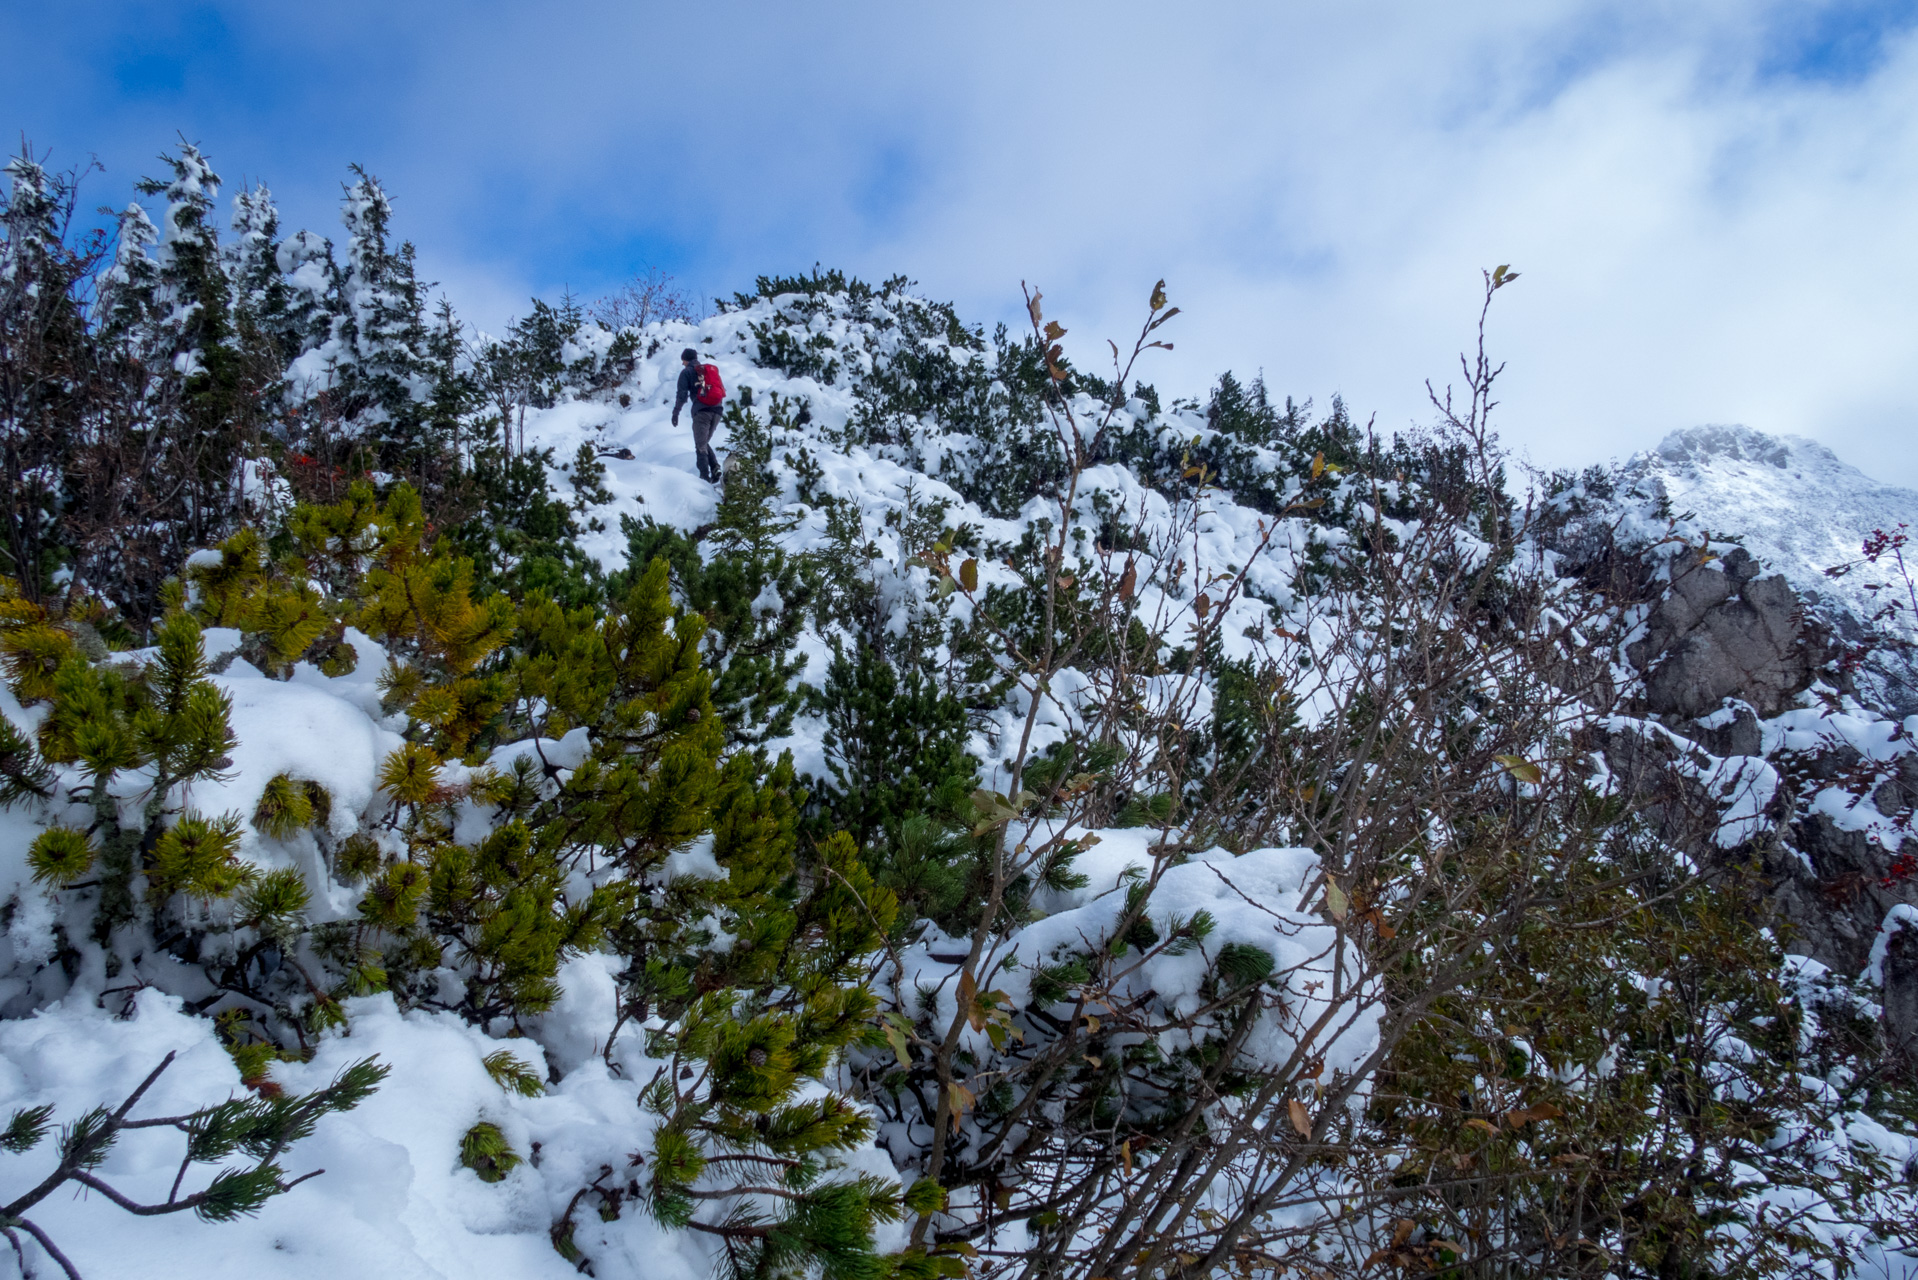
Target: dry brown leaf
{"x":1538,"y":1111}
{"x":960,"y":1099}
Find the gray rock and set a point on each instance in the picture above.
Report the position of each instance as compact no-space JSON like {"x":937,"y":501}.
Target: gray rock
{"x":1901,"y":999}
{"x":1720,"y":632}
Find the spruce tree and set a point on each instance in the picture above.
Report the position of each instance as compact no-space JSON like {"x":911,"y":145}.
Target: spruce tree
{"x":895,"y":740}
{"x":126,"y":306}
{"x":262,"y":301}
{"x":218,"y":394}
{"x":380,"y":325}
{"x":49,"y":371}
{"x":309,"y":277}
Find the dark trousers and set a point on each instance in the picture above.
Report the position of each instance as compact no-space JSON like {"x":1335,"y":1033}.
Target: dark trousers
{"x":705,"y":421}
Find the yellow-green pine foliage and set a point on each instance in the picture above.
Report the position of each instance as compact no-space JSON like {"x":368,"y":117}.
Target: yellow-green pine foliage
{"x":512,"y":1075}
{"x":411,"y":775}
{"x":198,"y":856}
{"x":486,"y":1152}
{"x":286,"y":806}
{"x":227,"y":588}
{"x":502,"y":908}
{"x":633,"y":679}
{"x":417,"y":598}
{"x":498,"y":908}
{"x":33,"y":645}
{"x":164,"y":716}
{"x":60,"y":856}
{"x":281,"y":616}
{"x":758,"y":1015}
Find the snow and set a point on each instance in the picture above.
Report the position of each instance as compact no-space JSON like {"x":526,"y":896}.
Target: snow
{"x":1901,"y":916}
{"x":1789,"y":500}
{"x":394,"y":1199}
{"x":1744,"y":786}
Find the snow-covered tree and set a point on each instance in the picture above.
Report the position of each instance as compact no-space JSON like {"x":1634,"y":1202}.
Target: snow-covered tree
{"x":380,"y":324}
{"x":46,"y":361}
{"x":128,"y":288}
{"x":262,"y":298}
{"x":307,"y":272}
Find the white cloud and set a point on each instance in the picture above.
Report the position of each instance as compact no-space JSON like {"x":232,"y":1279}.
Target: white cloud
{"x":1697,"y":245}
{"x":1701,"y":240}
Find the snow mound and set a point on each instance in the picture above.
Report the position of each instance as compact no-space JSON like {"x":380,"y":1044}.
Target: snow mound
{"x":394,"y":1200}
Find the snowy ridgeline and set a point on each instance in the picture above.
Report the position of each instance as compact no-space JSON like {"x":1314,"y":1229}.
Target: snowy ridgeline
{"x":396,"y":1199}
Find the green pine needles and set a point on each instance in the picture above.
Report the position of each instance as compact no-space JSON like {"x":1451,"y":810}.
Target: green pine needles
{"x":750,"y":982}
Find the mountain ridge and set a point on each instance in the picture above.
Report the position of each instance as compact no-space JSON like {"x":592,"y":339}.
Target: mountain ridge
{"x":1795,"y":504}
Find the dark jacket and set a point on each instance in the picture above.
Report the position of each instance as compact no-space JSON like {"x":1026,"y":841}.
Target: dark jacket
{"x":689,"y":383}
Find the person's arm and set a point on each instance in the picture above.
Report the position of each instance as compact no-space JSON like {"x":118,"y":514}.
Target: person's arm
{"x":685,"y":393}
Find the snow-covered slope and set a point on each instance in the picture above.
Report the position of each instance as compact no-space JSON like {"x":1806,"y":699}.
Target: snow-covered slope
{"x":1796,"y":504}
{"x":396,"y":1199}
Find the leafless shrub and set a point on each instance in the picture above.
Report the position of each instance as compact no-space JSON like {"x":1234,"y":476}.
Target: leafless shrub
{"x":651,"y":295}
{"x":1423,"y":723}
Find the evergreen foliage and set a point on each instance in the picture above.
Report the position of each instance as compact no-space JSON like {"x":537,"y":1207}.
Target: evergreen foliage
{"x":895,"y":742}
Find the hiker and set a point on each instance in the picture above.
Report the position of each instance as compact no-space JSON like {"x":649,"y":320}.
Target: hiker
{"x":700,"y":383}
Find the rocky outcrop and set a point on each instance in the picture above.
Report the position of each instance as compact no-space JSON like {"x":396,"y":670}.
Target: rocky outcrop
{"x":1726,"y":654}
{"x":1798,"y":507}
{"x":1726,"y":646}
{"x":1722,"y":631}
{"x":1898,"y":986}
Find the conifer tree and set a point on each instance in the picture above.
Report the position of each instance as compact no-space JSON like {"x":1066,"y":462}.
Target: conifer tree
{"x":895,"y":743}
{"x":309,"y":276}
{"x":218,"y":393}
{"x":49,"y":367}
{"x":262,"y":301}
{"x":165,"y":719}
{"x":127,"y":302}
{"x":1243,"y":412}
{"x":380,"y":324}
{"x":521,"y":534}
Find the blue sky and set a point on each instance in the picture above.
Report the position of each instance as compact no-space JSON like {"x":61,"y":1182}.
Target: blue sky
{"x":1712,"y":202}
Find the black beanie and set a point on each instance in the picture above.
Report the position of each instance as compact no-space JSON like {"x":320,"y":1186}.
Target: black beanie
{"x":689,"y":354}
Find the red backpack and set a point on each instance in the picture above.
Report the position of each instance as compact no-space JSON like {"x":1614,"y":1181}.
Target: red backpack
{"x":711,"y":390}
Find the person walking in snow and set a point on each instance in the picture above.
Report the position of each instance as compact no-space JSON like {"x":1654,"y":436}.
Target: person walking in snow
{"x":700,"y":383}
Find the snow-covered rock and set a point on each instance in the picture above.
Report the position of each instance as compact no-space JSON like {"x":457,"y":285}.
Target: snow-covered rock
{"x":1797,"y":506}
